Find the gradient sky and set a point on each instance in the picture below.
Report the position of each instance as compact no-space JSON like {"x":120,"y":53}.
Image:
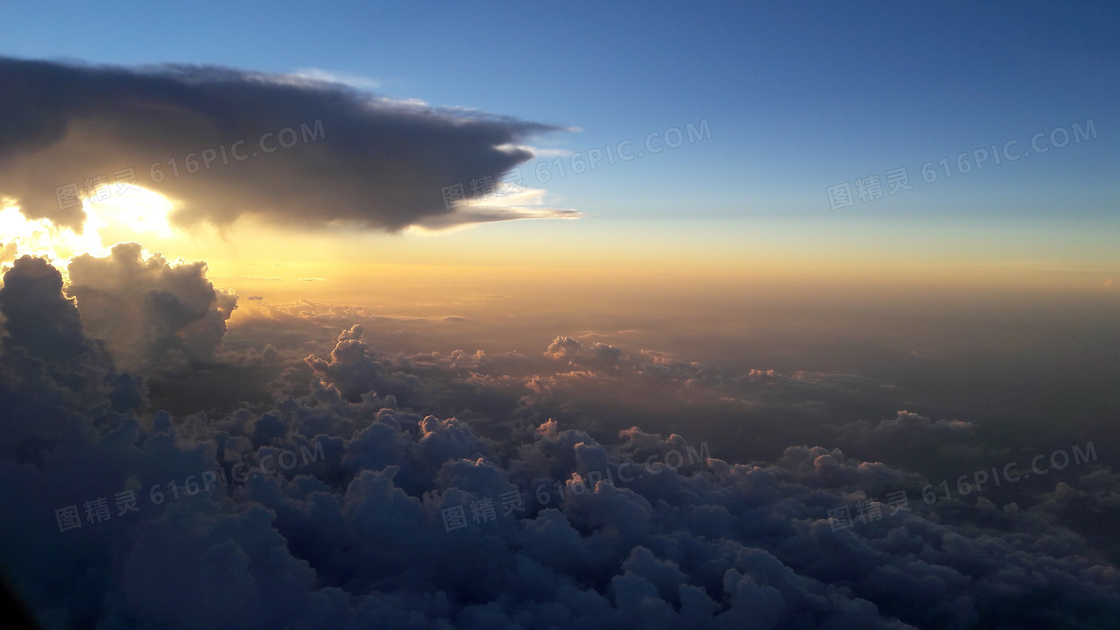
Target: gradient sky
{"x":798,"y":99}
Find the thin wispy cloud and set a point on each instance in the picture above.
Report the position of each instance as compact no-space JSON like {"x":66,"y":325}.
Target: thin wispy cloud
{"x":327,"y":76}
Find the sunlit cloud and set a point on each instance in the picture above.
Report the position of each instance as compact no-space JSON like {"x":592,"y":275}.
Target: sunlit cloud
{"x":327,"y":76}
{"x":517,"y":204}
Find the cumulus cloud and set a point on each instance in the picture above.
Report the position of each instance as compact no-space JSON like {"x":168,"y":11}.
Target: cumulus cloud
{"x":916,"y":428}
{"x":150,"y":313}
{"x":575,"y":352}
{"x":49,"y":367}
{"x":909,"y":431}
{"x":39,"y":318}
{"x":354,"y":369}
{"x":312,"y":152}
{"x":9,"y":251}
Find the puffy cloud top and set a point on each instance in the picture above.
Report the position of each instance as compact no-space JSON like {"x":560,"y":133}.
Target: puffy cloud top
{"x":151,"y":313}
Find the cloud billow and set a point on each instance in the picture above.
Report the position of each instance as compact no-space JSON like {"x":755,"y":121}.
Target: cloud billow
{"x":150,"y":313}
{"x":349,"y":159}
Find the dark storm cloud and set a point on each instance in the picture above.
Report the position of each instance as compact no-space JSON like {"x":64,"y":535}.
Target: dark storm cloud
{"x":49,"y":367}
{"x":39,"y":318}
{"x":350,"y":158}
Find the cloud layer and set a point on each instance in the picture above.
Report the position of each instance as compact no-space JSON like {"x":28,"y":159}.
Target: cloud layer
{"x":328,"y":509}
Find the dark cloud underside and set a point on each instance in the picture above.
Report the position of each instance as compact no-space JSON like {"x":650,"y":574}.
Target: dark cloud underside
{"x":377,"y":163}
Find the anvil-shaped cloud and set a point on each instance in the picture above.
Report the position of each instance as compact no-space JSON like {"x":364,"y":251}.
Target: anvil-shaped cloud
{"x":225,"y":143}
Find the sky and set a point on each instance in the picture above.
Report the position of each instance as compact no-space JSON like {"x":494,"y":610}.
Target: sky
{"x":442,"y":253}
{"x":797,"y":100}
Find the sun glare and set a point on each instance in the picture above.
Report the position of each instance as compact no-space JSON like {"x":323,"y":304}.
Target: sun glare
{"x":123,"y":217}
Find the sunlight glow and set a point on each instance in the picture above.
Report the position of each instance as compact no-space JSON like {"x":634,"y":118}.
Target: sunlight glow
{"x":140,"y":212}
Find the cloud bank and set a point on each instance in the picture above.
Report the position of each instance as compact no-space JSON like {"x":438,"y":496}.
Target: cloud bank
{"x":350,"y":529}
